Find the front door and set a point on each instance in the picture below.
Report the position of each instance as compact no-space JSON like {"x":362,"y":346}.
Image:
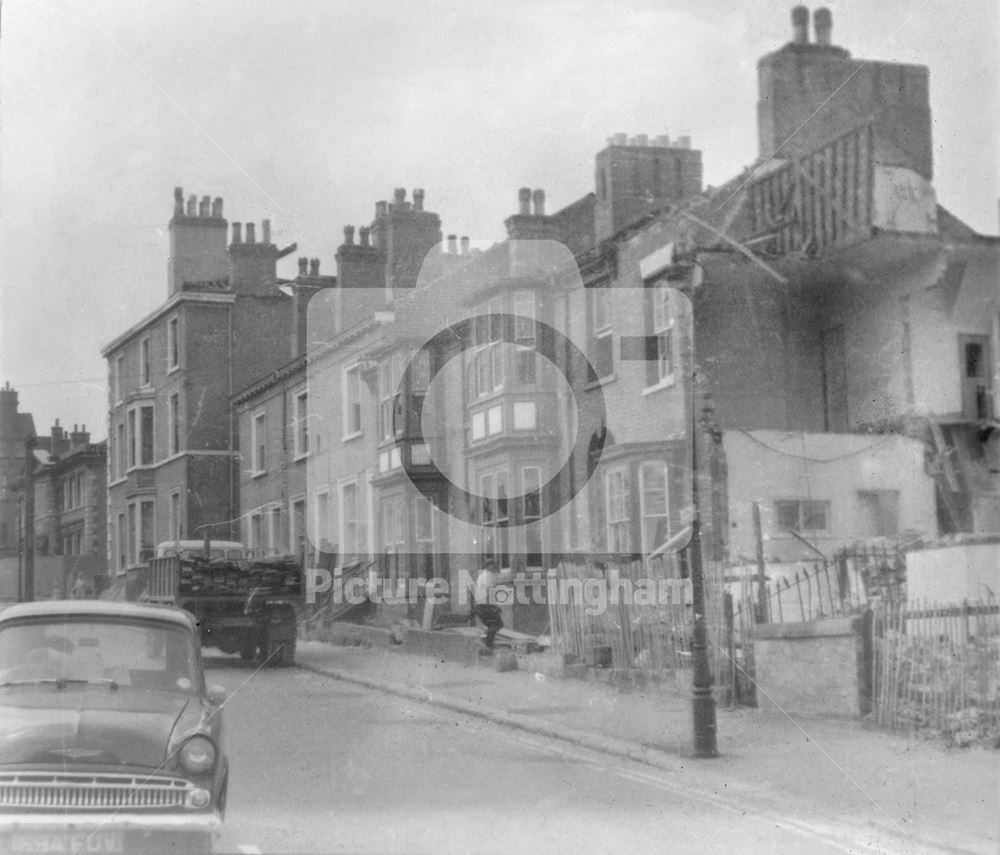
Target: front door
{"x":974,"y":363}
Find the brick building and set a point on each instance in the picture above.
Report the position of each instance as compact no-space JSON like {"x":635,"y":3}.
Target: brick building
{"x":173,"y":455}
{"x":15,"y":428}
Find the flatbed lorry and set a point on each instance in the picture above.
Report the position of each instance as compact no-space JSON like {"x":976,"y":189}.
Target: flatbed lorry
{"x":242,"y":605}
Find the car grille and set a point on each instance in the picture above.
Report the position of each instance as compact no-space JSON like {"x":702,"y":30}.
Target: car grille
{"x":75,"y":791}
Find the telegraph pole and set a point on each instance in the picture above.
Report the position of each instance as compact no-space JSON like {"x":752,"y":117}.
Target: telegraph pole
{"x":703,"y":702}
{"x":28,"y":587}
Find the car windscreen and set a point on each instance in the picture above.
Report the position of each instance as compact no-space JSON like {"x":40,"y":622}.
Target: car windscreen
{"x":153,"y":655}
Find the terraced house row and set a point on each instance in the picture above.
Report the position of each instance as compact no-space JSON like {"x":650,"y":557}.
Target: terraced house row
{"x":437,"y":402}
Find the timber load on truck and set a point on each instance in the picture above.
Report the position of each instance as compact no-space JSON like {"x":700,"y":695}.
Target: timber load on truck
{"x":246,"y":606}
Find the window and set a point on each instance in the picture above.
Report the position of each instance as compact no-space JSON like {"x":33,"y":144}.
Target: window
{"x":355,"y":529}
{"x":121,"y":541}
{"x":420,"y":372}
{"x":147,"y":531}
{"x":660,"y":363}
{"x":423,"y":535}
{"x":275,"y":534}
{"x":495,"y":517}
{"x":601,"y":344}
{"x":145,"y":362}
{"x":531,"y":488}
{"x":119,"y":378}
{"x":525,"y":415}
{"x":487,"y":358}
{"x":139,"y":428}
{"x":121,"y":455}
{"x":352,"y":402}
{"x":175,"y":423}
{"x":173,"y":344}
{"x":654,"y":500}
{"x":390,"y":422}
{"x":297,"y":528}
{"x":323,"y":524}
{"x":258,"y":443}
{"x":175,"y":516}
{"x":802,"y":515}
{"x":256,"y":531}
{"x":300,"y":424}
{"x":524,"y":337}
{"x":393,"y":536}
{"x":146,"y":444}
{"x":616,"y":497}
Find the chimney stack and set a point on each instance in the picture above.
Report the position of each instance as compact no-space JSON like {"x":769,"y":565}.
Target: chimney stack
{"x":465,"y":245}
{"x":57,"y":432}
{"x":538,"y":199}
{"x":237,"y":233}
{"x":205,"y":207}
{"x":192,"y":206}
{"x":399,"y":199}
{"x":178,"y":201}
{"x":314,"y":267}
{"x":621,"y":139}
{"x":800,"y":25}
{"x":524,"y":201}
{"x":217,"y":207}
{"x":251,"y":233}
{"x":197,"y":242}
{"x":381,"y":209}
{"x":349,"y":235}
{"x":265,"y":227}
{"x":303,"y":266}
{"x":418,"y":199}
{"x":823,"y":26}
{"x":364,"y":232}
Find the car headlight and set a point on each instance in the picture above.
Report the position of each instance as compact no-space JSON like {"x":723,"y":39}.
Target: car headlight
{"x":197,"y":755}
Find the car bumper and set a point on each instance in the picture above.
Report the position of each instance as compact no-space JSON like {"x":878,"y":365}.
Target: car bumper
{"x":63,"y":821}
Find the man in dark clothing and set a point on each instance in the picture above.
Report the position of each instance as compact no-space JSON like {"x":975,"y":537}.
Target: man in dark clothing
{"x":483,"y":606}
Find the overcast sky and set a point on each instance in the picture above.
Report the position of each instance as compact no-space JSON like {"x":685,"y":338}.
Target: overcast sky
{"x":309,"y":111}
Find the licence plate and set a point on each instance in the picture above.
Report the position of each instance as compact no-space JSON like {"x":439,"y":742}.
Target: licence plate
{"x":68,"y":842}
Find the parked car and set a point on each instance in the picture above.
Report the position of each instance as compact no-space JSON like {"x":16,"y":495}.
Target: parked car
{"x":109,"y":739}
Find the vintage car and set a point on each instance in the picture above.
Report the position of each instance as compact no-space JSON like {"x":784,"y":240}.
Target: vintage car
{"x":109,"y":739}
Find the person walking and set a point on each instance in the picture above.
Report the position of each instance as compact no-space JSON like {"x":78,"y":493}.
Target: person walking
{"x":484,"y":606}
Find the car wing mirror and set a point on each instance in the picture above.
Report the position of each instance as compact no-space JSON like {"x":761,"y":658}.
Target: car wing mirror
{"x":216,"y":695}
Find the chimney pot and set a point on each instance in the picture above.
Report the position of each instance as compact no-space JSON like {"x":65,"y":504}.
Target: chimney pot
{"x":251,"y":233}
{"x":265,"y":227}
{"x":465,"y":245}
{"x":418,"y":199}
{"x":192,"y":206}
{"x":538,"y":198}
{"x":683,"y":142}
{"x":217,"y":207}
{"x":303,"y":265}
{"x":621,"y":139}
{"x":524,"y":201}
{"x":237,"y":233}
{"x":381,"y":209}
{"x":179,"y":201}
{"x":642,"y":139}
{"x":452,"y":244}
{"x":663,"y":141}
{"x":364,"y":231}
{"x":399,"y":197}
{"x":823,"y":26}
{"x":205,"y":208}
{"x":314,"y":267}
{"x":349,"y":235}
{"x":800,"y":25}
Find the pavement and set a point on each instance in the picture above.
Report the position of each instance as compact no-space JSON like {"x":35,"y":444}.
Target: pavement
{"x":916,"y":794}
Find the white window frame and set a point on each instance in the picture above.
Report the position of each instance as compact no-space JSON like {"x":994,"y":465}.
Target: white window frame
{"x":390,"y":374}
{"x":119,"y":378}
{"x":525,"y":308}
{"x":300,"y":424}
{"x":354,"y":539}
{"x":801,"y":503}
{"x":255,"y":532}
{"x":599,"y":297}
{"x":664,"y":331}
{"x":353,"y":418}
{"x":618,"y":523}
{"x":120,"y":462}
{"x":174,"y":423}
{"x":649,"y":521}
{"x":324,"y":524}
{"x":173,"y":343}
{"x":274,"y":526}
{"x":298,"y":526}
{"x":135,"y":436}
{"x":145,"y":361}
{"x":174,"y":515}
{"x":258,"y":443}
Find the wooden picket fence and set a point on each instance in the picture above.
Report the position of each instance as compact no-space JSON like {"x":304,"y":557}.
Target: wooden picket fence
{"x":650,"y":637}
{"x":937,"y":669}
